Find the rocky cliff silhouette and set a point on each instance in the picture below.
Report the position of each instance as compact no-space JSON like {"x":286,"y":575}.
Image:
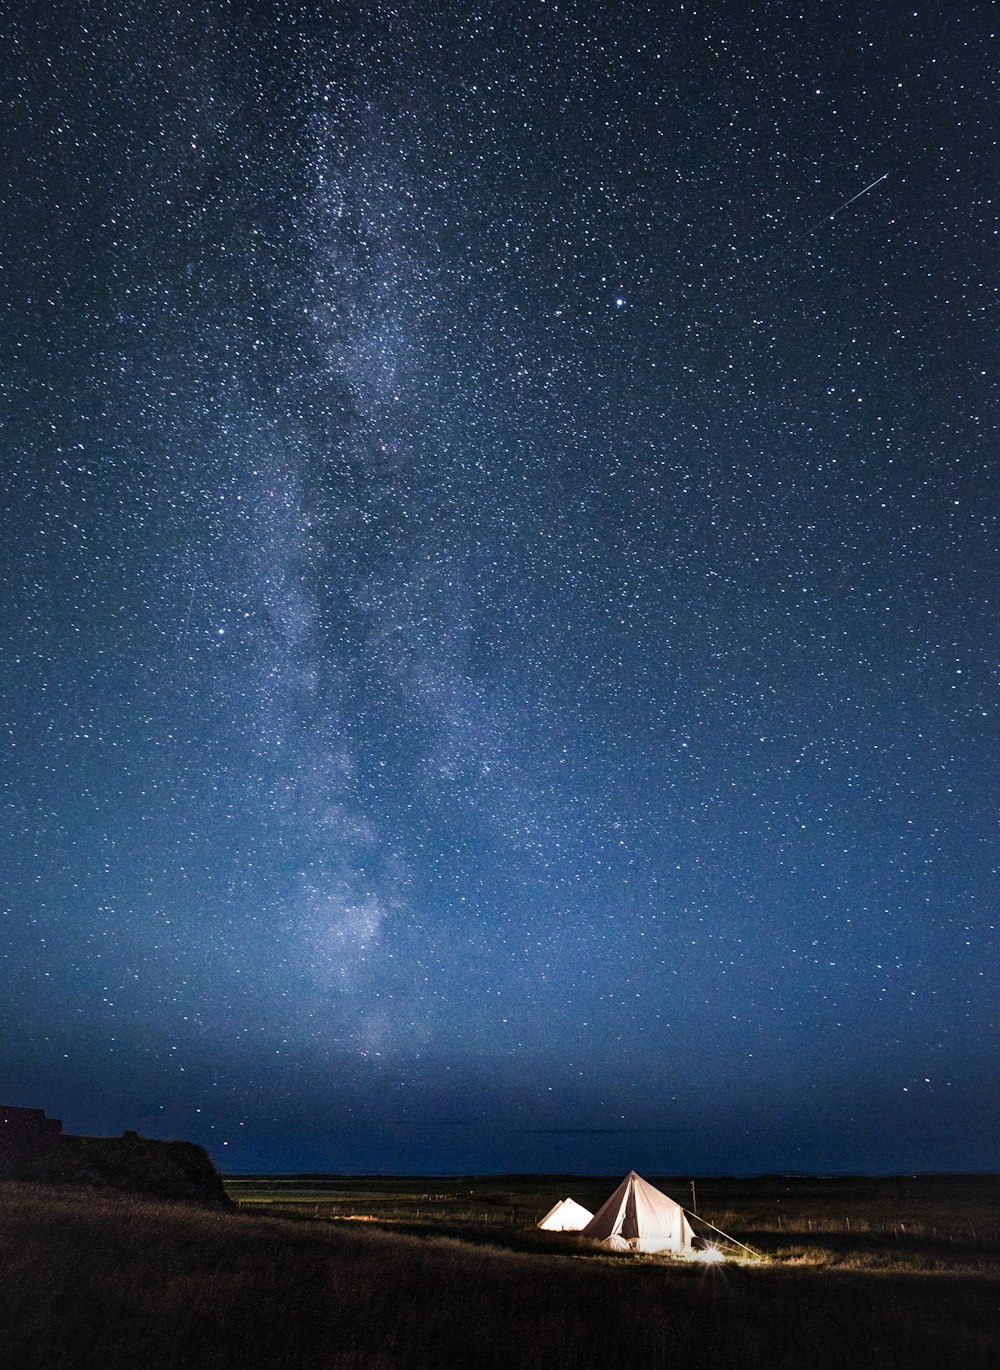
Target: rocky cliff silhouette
{"x":35,"y":1148}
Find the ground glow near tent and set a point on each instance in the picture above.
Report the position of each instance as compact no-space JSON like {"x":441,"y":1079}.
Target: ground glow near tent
{"x":499,"y":536}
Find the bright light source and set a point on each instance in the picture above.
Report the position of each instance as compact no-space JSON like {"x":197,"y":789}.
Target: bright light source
{"x":709,"y":1256}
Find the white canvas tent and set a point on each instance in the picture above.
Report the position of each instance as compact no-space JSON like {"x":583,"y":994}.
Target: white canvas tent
{"x":566,"y":1216}
{"x":638,"y":1217}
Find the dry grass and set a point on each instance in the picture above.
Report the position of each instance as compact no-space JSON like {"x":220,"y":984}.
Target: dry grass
{"x":111,"y":1281}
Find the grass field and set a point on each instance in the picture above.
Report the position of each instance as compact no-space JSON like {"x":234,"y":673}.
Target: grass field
{"x":315,"y":1271}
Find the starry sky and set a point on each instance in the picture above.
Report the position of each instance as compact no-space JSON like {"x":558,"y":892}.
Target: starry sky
{"x":500,"y":559}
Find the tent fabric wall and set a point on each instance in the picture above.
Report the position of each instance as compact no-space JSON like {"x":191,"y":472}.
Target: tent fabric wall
{"x":566,"y":1216}
{"x":638,"y":1216}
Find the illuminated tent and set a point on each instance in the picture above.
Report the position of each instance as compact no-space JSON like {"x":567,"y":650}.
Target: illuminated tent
{"x":638,"y":1217}
{"x":566,"y":1216}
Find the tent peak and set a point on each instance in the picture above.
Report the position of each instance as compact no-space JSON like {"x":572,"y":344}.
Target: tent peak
{"x":639,"y":1216}
{"x":566,"y":1216}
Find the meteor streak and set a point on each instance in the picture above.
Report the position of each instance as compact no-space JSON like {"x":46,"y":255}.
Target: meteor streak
{"x":827,"y":217}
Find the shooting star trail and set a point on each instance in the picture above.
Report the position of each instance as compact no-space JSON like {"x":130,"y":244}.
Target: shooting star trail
{"x":878,"y":181}
{"x":827,"y":217}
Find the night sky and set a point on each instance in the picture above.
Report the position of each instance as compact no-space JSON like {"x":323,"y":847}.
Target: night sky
{"x":500,"y":566}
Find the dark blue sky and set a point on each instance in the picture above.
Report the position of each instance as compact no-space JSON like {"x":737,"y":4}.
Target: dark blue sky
{"x":500,"y":583}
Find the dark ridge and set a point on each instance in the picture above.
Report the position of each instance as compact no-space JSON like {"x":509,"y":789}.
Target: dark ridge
{"x":35,"y":1148}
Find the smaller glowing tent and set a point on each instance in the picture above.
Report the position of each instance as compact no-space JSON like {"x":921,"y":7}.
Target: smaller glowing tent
{"x":638,"y":1217}
{"x":566,"y":1216}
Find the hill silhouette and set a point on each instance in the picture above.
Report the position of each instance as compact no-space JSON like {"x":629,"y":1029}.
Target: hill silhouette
{"x":34,"y":1148}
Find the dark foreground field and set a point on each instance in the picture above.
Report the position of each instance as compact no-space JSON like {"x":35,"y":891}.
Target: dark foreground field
{"x":892,"y":1274}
